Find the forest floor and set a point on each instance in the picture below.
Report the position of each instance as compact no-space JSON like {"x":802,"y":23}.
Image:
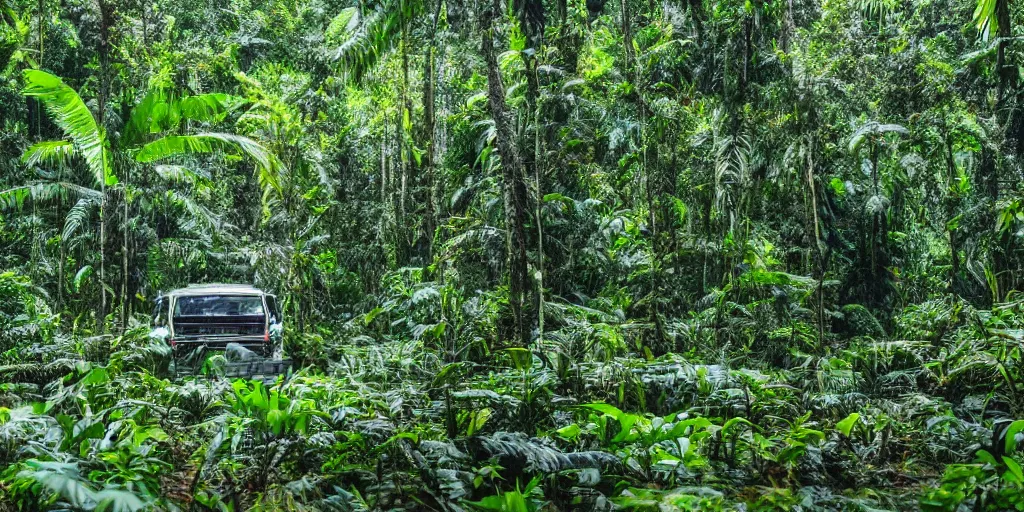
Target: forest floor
{"x":588,"y":418}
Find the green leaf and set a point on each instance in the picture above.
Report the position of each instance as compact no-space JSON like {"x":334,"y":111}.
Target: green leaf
{"x":276,"y":419}
{"x":985,"y":18}
{"x":985,"y":457}
{"x":371,"y":315}
{"x":82,"y":274}
{"x":1011,"y":435}
{"x":606,"y":409}
{"x":570,"y":432}
{"x":50,"y":152}
{"x":522,"y":358}
{"x":846,"y":425}
{"x":1013,"y":471}
{"x":478,"y":420}
{"x":735,"y":421}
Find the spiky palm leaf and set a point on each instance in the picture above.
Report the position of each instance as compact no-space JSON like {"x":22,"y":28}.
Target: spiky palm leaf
{"x":985,"y":18}
{"x":870,"y":129}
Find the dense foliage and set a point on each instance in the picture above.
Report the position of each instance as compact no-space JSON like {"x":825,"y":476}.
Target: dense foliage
{"x":536,"y":255}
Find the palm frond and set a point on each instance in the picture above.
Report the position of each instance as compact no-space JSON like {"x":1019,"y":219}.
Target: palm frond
{"x":985,"y":18}
{"x":872,"y":128}
{"x":159,"y":111}
{"x":77,"y":216}
{"x":14,"y":198}
{"x":362,"y":41}
{"x":74,"y":118}
{"x":268,"y":166}
{"x":50,"y":152}
{"x":200,"y":217}
{"x":180,"y":174}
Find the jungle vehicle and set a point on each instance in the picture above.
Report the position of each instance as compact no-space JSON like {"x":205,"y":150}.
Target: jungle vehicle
{"x":239,"y":319}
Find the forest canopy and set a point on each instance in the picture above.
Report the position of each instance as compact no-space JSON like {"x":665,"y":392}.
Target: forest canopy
{"x":535,"y":255}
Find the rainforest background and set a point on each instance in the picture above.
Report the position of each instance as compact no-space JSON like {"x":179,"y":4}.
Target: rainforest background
{"x":533,"y":256}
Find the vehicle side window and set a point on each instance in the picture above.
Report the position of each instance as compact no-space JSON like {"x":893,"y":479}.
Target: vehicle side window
{"x":160,"y":312}
{"x":272,"y":305}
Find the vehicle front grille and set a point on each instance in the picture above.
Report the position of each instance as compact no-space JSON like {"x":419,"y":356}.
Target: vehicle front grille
{"x":200,"y":326}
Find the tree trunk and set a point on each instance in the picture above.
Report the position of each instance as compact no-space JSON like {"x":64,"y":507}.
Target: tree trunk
{"x":106,"y":21}
{"x":627,"y":37}
{"x":788,"y":28}
{"x":514,"y":187}
{"x":531,"y":21}
{"x":42,"y":33}
{"x":429,"y":121}
{"x":125,"y":308}
{"x":404,"y":152}
{"x":1005,"y":72}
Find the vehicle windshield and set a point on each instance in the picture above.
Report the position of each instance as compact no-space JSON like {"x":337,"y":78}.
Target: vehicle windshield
{"x":218,"y":305}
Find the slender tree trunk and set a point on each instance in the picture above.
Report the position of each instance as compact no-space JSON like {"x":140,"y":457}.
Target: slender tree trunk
{"x":788,"y":27}
{"x":532,"y":20}
{"x":822,"y":258}
{"x":514,"y":188}
{"x":60,"y":262}
{"x":407,"y":237}
{"x":1004,"y":71}
{"x":429,"y":77}
{"x":537,"y":152}
{"x":125,"y":307}
{"x":42,"y":30}
{"x":106,"y":21}
{"x":627,"y":37}
{"x":950,"y":201}
{"x":745,"y":72}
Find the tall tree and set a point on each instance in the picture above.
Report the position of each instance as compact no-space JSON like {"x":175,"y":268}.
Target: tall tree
{"x":513,"y":181}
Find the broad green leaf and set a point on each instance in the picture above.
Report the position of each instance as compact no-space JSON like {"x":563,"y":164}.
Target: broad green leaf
{"x":82,"y":274}
{"x":846,"y":424}
{"x":276,"y":419}
{"x":1011,"y":435}
{"x":570,"y":432}
{"x":1013,"y":471}
{"x":268,"y":167}
{"x":522,"y":358}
